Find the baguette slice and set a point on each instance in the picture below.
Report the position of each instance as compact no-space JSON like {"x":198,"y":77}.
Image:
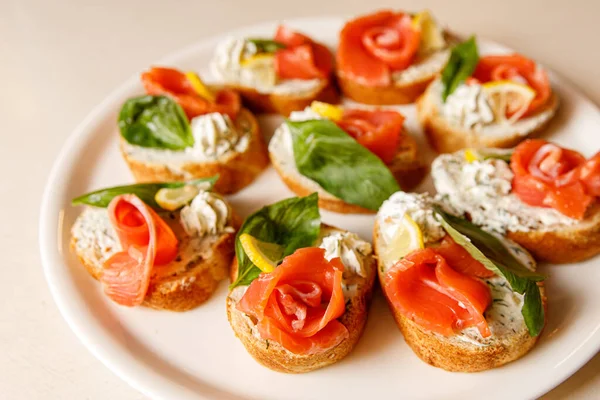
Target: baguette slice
{"x":236,"y":170}
{"x":284,"y":104}
{"x":452,"y":354}
{"x":446,"y":137}
{"x":181,"y":285}
{"x":272,"y":355}
{"x":406,"y":167}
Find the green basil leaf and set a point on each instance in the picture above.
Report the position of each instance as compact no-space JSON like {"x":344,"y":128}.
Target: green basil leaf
{"x":504,"y":155}
{"x":329,"y":156}
{"x":155,"y":121}
{"x":293,"y":223}
{"x":266,"y":45}
{"x":493,"y":254}
{"x":145,"y":191}
{"x":461,"y":65}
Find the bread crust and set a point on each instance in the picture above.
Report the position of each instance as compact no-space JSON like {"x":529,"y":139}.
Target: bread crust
{"x":440,"y":352}
{"x":446,"y":138}
{"x":272,"y":355}
{"x":236,"y":170}
{"x":569,"y":244}
{"x":406,"y":167}
{"x":284,"y":104}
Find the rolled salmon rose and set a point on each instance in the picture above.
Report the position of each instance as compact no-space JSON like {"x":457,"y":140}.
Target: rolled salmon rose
{"x":173,"y":83}
{"x":547,"y":175}
{"x":377,"y":130}
{"x":301,"y":58}
{"x":517,"y":68}
{"x":297,"y":305}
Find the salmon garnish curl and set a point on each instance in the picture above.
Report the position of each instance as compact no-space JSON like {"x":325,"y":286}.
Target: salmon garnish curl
{"x":146,"y":240}
{"x":301,"y":58}
{"x":297,"y":305}
{"x":378,"y":130}
{"x":460,"y":259}
{"x":547,"y":175}
{"x":373,"y":46}
{"x":159,"y":81}
{"x":425,"y":289}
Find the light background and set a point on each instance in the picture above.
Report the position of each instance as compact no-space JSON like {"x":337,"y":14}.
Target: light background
{"x":59,"y":59}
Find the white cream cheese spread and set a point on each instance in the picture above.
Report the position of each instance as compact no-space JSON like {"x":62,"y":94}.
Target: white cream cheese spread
{"x":481,"y":189}
{"x":227,"y":66}
{"x":422,"y":69}
{"x":207,"y":214}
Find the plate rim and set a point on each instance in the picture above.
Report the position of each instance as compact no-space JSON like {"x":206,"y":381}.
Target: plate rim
{"x":51,"y":254}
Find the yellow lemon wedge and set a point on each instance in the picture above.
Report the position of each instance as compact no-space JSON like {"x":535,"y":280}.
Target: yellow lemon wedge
{"x":262,"y":66}
{"x":327,"y":110}
{"x":407,"y":238}
{"x":200,"y":87}
{"x":171,"y":199}
{"x":508,"y":97}
{"x":432,"y":36}
{"x":262,"y":254}
{"x":471,"y":155}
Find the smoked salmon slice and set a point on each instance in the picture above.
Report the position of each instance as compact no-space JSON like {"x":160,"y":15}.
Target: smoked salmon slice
{"x":301,"y":58}
{"x":518,"y":68}
{"x":546,"y":175}
{"x":373,"y":46}
{"x":146,"y":240}
{"x":173,"y":83}
{"x":379,"y":131}
{"x":297,"y":305}
{"x":460,"y":260}
{"x":425,"y":289}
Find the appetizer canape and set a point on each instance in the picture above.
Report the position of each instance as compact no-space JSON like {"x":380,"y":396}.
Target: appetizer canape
{"x":492,"y":101}
{"x":354,"y":158}
{"x":183,"y":130}
{"x":390,"y":57}
{"x":540,"y":195}
{"x":464,"y":299}
{"x":277,"y":75}
{"x":161,"y":245}
{"x":301,"y":289}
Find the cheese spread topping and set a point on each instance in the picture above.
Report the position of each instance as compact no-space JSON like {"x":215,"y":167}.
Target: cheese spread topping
{"x":207,"y":214}
{"x":468,"y":107}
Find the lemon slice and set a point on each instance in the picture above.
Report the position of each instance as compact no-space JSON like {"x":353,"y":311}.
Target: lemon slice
{"x":407,"y":238}
{"x":262,"y":67}
{"x":262,"y":254}
{"x":471,"y":155}
{"x":327,"y":110}
{"x":432,"y":36}
{"x":171,"y":199}
{"x":200,"y":87}
{"x":508,"y":97}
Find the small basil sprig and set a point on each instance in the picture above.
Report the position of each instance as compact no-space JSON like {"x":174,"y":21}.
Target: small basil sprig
{"x":461,"y":65}
{"x":493,"y":254}
{"x":293,"y":223}
{"x":329,"y":156}
{"x":145,"y":191}
{"x":266,"y":45}
{"x":155,"y":121}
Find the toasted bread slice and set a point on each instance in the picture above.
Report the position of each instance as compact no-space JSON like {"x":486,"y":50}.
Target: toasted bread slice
{"x":407,"y":168}
{"x":446,"y":137}
{"x":455,"y":353}
{"x":272,"y":355}
{"x":181,"y":285}
{"x":544,"y":232}
{"x":284,"y":104}
{"x":236,"y":170}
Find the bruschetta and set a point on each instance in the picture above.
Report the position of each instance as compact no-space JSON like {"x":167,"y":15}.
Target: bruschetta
{"x":354,"y":158}
{"x":301,"y":289}
{"x":161,"y":245}
{"x":464,"y":299}
{"x":541,"y":195}
{"x":487,"y":101}
{"x":276,"y":75}
{"x":182,"y":129}
{"x":390,"y":57}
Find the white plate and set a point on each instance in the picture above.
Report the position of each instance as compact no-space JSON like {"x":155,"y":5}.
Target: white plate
{"x":195,"y":354}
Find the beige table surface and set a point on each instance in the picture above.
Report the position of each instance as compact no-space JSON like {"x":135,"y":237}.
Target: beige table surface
{"x":59,"y":59}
